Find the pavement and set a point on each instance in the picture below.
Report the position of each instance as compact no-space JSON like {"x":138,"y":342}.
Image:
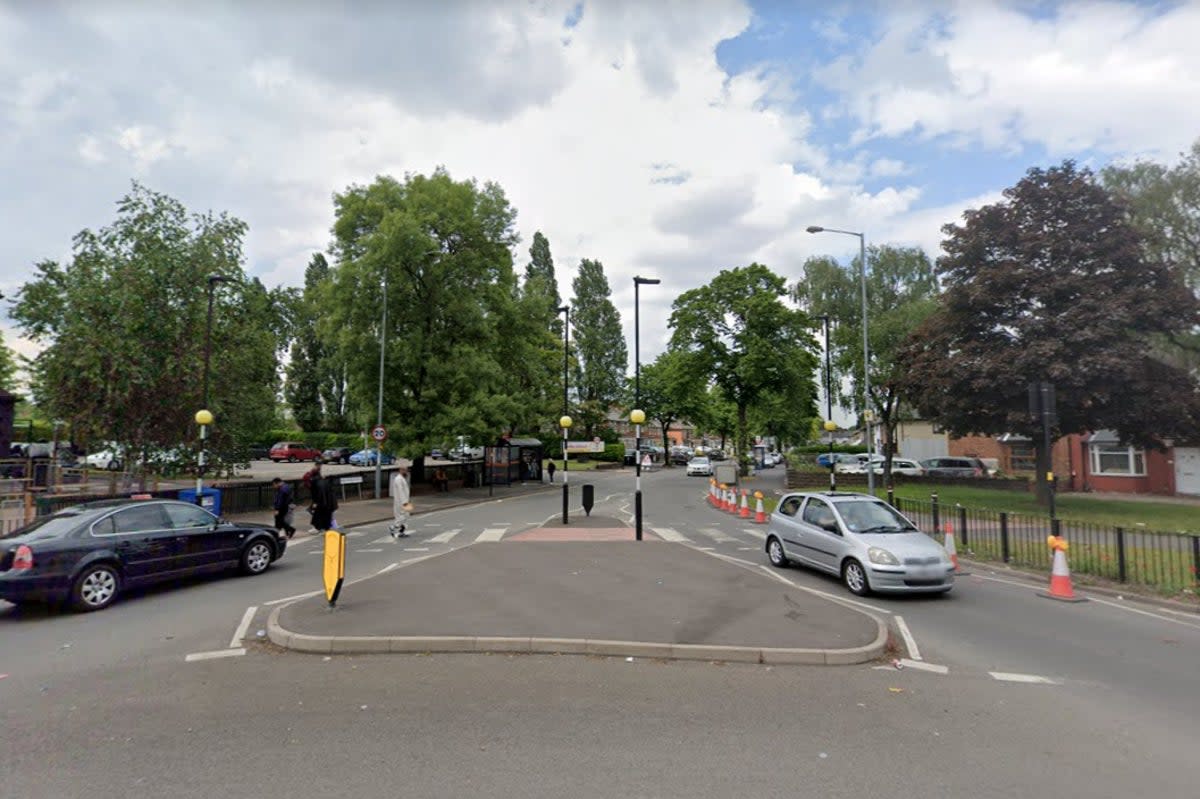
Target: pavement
{"x":583,"y":588}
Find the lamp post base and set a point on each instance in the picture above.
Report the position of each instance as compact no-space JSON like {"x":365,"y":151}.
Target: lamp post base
{"x":566,"y":499}
{"x":637,"y":513}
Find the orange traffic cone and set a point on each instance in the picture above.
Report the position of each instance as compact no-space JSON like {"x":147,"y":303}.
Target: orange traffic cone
{"x":760,"y":517}
{"x":712,"y":492}
{"x":745,"y":511}
{"x":952,"y":549}
{"x":724,"y":497}
{"x":1060,"y":575}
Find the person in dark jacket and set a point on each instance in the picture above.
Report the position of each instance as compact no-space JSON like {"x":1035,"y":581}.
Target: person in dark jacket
{"x":283,"y":507}
{"x":324,"y":503}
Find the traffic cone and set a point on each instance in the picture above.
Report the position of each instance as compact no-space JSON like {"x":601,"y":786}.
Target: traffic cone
{"x":733,"y":501}
{"x":952,"y":549}
{"x":745,"y":511}
{"x":760,"y":517}
{"x":724,"y":497}
{"x":1060,"y":574}
{"x":712,"y":491}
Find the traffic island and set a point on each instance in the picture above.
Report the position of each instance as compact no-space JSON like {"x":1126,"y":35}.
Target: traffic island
{"x":646,"y":599}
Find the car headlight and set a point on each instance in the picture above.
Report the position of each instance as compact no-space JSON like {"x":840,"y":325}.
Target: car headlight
{"x":882,"y":557}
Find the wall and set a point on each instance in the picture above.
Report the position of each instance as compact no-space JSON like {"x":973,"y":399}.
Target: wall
{"x":916,"y":440}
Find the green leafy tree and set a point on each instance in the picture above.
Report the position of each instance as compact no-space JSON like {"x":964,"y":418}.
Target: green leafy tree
{"x":123,"y":322}
{"x":1052,"y":284}
{"x":599,"y":346}
{"x":316,"y":376}
{"x":902,"y":292}
{"x":672,"y":388}
{"x":8,"y":368}
{"x":743,"y":335}
{"x":540,"y":269}
{"x":443,"y":248}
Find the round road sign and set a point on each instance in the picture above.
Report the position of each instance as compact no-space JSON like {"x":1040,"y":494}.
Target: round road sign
{"x":379,"y":433}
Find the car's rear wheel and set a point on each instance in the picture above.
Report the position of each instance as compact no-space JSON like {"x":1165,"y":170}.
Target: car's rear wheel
{"x":291,"y":459}
{"x":95,"y":588}
{"x":855,"y":578}
{"x":256,"y":557}
{"x":775,"y":553}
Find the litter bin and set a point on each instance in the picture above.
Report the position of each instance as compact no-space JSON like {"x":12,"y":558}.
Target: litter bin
{"x":210,"y":499}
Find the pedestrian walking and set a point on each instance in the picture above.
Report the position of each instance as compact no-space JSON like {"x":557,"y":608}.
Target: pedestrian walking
{"x":324,"y":503}
{"x":550,"y":468}
{"x":284,"y":507}
{"x":401,"y":503}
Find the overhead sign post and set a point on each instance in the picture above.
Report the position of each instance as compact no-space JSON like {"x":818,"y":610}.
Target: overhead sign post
{"x":334,"y":565}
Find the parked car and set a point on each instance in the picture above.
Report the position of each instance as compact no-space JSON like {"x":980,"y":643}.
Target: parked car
{"x":366,"y":457}
{"x":839,"y":458}
{"x":699,"y":465}
{"x":108,"y":459}
{"x":954,"y":467}
{"x":863,"y":540}
{"x":466,"y":453}
{"x":904,"y":466}
{"x":87,"y":555}
{"x":292,"y":451}
{"x":337,"y":455}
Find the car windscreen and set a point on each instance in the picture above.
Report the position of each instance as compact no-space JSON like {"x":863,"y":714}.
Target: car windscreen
{"x":873,"y":517}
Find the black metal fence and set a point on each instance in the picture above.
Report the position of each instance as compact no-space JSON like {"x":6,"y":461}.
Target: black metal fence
{"x":1167,"y":562}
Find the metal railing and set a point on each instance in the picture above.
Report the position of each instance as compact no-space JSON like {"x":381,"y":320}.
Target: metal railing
{"x":1164,"y":561}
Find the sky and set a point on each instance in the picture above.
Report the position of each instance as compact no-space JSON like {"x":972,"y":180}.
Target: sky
{"x":664,"y":139}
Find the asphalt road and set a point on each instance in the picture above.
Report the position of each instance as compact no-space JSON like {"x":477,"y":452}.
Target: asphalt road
{"x":1012,"y":693}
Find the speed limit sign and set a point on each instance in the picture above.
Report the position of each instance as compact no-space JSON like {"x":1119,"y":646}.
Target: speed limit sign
{"x":379,"y":433}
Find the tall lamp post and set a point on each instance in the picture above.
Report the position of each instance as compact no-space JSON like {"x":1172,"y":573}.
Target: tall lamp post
{"x":830,"y":425}
{"x":862,"y":270}
{"x":204,"y":416}
{"x":638,"y":416}
{"x":565,"y":421}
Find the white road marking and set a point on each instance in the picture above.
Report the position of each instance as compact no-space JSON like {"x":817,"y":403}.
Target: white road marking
{"x":492,"y":534}
{"x":747,"y":549}
{"x":368,"y":550}
{"x":414,"y":549}
{"x":755,"y":532}
{"x":290,"y":598}
{"x":1120,"y":606}
{"x":910,"y":643}
{"x":716,"y":535}
{"x":707,"y":549}
{"x":220,"y":653}
{"x":387,"y":568}
{"x":921,"y":665}
{"x":387,"y":539}
{"x":243,"y":626}
{"x":444,"y":538}
{"x":1037,"y":679}
{"x":669,"y":534}
{"x":355,"y":534}
{"x":845,"y":601}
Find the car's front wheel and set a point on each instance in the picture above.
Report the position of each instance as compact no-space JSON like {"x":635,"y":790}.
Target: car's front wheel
{"x":256,"y":557}
{"x":855,"y":578}
{"x":95,"y":588}
{"x":775,"y":553}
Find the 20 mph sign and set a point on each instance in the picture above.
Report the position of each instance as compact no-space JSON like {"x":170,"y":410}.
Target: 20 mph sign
{"x":379,"y":433}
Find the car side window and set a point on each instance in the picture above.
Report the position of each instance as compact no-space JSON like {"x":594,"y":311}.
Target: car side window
{"x":183,"y":517}
{"x":105,"y":526}
{"x":789,"y":506}
{"x":139,"y":518}
{"x":817,"y":513}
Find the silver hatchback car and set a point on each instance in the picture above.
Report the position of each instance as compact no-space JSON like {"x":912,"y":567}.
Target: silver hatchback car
{"x":860,"y":538}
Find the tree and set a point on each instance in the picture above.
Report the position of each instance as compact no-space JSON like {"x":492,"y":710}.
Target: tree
{"x":443,"y":249}
{"x":902,"y":291}
{"x":316,"y":376}
{"x":672,"y":388}
{"x":540,"y":269}
{"x":599,"y":344}
{"x":742,"y":334}
{"x":1052,"y":284}
{"x":123,"y":324}
{"x":8,"y":368}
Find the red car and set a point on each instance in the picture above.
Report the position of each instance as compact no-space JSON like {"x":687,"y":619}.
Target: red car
{"x":292,"y":451}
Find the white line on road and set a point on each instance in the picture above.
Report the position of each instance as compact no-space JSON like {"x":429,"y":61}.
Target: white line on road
{"x":921,"y":665}
{"x":716,"y":535}
{"x":368,"y":550}
{"x":414,"y":549}
{"x":747,"y":549}
{"x":240,"y":632}
{"x":910,"y":643}
{"x":1099,"y":601}
{"x":1005,"y":676}
{"x":387,"y":539}
{"x":755,"y":532}
{"x":290,"y":598}
{"x":827,"y":595}
{"x":387,"y":568}
{"x":492,"y":534}
{"x":668,"y":534}
{"x":220,"y":653}
{"x":444,"y":538}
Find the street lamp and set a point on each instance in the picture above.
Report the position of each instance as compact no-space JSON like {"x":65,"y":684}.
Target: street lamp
{"x":204,"y":416}
{"x":638,"y":416}
{"x":862,"y":269}
{"x":565,"y":421}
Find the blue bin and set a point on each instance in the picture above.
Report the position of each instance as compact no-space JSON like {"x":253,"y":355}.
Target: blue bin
{"x":210,"y":499}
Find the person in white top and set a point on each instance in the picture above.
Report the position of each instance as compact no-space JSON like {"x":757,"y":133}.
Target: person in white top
{"x":401,"y":503}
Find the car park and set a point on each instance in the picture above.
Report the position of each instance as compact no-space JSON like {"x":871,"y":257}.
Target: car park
{"x":337,"y":455}
{"x":946,"y":466}
{"x":87,"y":555}
{"x":293,"y":451}
{"x":367,"y":457}
{"x":863,"y":540}
{"x":699,"y":466}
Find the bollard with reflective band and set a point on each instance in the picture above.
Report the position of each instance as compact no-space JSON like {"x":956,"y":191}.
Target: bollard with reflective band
{"x":334,"y":565}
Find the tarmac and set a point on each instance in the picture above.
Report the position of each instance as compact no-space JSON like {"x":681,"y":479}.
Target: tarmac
{"x":587,"y":588}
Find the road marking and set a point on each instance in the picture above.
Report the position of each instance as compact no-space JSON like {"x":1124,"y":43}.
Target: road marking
{"x":414,"y":549}
{"x":220,"y":653}
{"x":669,"y":534}
{"x":921,"y":665}
{"x":1100,"y":601}
{"x":716,"y":535}
{"x":240,"y":632}
{"x":834,"y":597}
{"x":910,"y":643}
{"x":290,"y":598}
{"x":492,"y":534}
{"x":707,"y":549}
{"x":747,"y":549}
{"x":444,"y":538}
{"x":755,"y":532}
{"x":387,"y":539}
{"x":1037,"y":679}
{"x":387,"y":568}
{"x":355,"y":534}
{"x":368,"y":550}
